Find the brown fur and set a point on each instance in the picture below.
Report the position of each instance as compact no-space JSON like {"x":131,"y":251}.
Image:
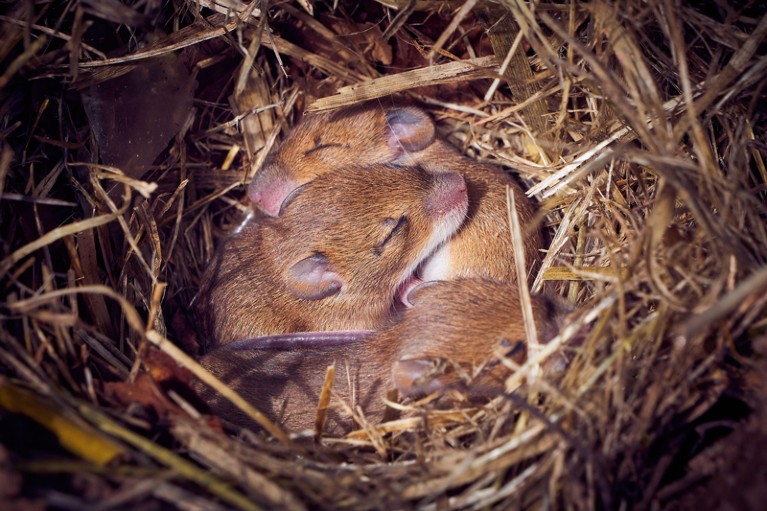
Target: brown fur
{"x":369,"y":135}
{"x":347,"y":218}
{"x":462,"y":321}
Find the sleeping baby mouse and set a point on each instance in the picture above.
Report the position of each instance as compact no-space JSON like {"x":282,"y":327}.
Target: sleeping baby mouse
{"x":334,"y":259}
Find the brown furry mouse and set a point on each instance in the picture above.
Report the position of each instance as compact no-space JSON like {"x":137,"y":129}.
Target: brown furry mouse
{"x":334,"y":259}
{"x":462,"y":322}
{"x":405,"y":136}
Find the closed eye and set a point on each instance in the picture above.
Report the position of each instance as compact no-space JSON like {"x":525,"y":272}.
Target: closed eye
{"x":320,"y":147}
{"x":398,"y":224}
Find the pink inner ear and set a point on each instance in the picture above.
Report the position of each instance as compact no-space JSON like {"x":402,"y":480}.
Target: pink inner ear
{"x":409,"y":128}
{"x":313,"y":278}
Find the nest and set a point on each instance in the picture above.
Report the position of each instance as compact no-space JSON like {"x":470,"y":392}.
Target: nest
{"x":130,"y":131}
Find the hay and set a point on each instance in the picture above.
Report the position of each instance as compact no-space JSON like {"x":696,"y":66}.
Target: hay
{"x":639,"y":129}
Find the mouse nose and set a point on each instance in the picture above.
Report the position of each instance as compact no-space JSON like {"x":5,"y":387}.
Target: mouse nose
{"x":268,"y":193}
{"x":449,"y":193}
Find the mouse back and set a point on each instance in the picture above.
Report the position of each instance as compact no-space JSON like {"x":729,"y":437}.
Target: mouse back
{"x":467,"y":321}
{"x":286,"y":384}
{"x":464,"y":322}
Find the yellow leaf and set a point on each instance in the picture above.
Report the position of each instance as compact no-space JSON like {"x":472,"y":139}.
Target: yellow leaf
{"x":75,"y":436}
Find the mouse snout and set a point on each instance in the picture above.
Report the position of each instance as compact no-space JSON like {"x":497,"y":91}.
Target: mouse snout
{"x":447,"y":195}
{"x":268,"y":192}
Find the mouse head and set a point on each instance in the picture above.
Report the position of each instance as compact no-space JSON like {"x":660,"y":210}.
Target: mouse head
{"x":321,"y":143}
{"x":466,"y":321}
{"x":354,"y":236}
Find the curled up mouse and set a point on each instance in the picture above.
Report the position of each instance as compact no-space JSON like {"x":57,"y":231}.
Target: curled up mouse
{"x":334,"y":259}
{"x":452,"y":337}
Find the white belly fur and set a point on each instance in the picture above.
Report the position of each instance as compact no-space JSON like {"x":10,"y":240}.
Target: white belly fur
{"x":437,"y":266}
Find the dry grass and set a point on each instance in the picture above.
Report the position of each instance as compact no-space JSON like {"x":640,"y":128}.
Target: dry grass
{"x":641,"y":130}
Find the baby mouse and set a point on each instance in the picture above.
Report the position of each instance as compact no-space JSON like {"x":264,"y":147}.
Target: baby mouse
{"x":405,"y":136}
{"x":334,"y":259}
{"x":353,"y":136}
{"x":453,"y":322}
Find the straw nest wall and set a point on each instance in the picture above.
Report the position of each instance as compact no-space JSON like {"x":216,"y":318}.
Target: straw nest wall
{"x":128,"y":133}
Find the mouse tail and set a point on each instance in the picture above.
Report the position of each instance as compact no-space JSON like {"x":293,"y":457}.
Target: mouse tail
{"x":299,"y":340}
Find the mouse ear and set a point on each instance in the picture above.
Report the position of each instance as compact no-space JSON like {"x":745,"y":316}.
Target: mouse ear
{"x":409,"y":128}
{"x":415,"y":293}
{"x":313,"y":278}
